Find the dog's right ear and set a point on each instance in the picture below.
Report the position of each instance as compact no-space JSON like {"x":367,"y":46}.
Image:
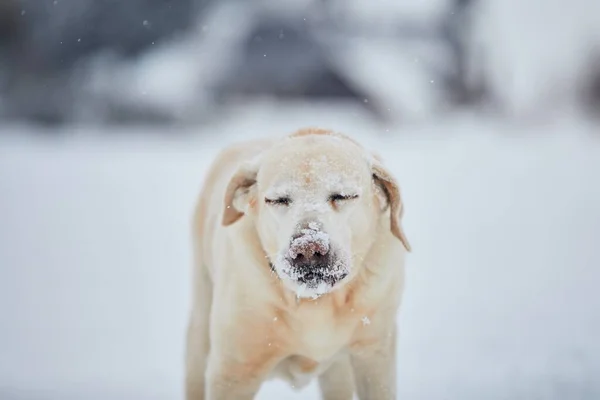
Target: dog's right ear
{"x":238,"y":191}
{"x":390,"y":190}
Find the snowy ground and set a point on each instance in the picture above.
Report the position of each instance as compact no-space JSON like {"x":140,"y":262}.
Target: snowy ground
{"x":502,"y":294}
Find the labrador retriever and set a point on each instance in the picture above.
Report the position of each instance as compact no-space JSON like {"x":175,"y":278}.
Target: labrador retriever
{"x":299,"y":270}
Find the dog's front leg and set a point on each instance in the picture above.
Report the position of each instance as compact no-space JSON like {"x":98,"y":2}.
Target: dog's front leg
{"x":374,"y":369}
{"x":233,"y":379}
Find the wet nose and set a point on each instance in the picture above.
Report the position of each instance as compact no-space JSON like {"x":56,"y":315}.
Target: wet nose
{"x":308,"y":248}
{"x":310,"y":242}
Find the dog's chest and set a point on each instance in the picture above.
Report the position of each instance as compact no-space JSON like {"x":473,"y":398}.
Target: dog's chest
{"x":319,"y":335}
{"x":318,"y":342}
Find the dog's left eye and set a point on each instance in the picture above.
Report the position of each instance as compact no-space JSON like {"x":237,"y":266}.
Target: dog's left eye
{"x":341,"y":197}
{"x":280,"y":201}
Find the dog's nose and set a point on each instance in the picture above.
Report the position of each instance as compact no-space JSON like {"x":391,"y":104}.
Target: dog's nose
{"x":308,"y":249}
{"x":309,"y":245}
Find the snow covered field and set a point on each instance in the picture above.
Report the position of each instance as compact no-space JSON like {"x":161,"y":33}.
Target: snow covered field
{"x":502,"y":295}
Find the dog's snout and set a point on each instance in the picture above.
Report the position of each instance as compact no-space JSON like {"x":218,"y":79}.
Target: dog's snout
{"x":309,"y":243}
{"x":311,"y":258}
{"x":308,"y":248}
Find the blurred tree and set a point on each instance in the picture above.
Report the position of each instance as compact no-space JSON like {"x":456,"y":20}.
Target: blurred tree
{"x":281,"y":57}
{"x":46,"y":40}
{"x":463,"y":89}
{"x":8,"y":21}
{"x":57,"y":33}
{"x":591,"y":86}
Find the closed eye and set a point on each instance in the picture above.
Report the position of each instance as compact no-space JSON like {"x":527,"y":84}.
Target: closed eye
{"x":341,"y":197}
{"x":279,"y":201}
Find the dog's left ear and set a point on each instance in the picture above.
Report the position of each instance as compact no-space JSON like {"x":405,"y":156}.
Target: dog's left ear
{"x":388,"y":185}
{"x":237,"y":192}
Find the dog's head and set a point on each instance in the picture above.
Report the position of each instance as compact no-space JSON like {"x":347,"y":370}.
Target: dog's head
{"x":318,"y":202}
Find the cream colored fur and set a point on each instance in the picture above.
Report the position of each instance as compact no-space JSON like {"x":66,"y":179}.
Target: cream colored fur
{"x":249,"y":323}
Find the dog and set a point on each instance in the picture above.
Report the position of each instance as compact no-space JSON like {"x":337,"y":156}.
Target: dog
{"x":298,"y":270}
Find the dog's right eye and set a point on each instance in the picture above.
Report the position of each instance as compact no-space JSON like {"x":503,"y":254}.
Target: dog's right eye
{"x":280,"y":201}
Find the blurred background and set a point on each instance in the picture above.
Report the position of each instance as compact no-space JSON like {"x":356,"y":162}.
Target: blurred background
{"x":485,"y":110}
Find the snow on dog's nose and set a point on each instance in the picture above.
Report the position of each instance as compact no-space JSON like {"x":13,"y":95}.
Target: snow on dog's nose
{"x":308,"y":244}
{"x":310,"y":262}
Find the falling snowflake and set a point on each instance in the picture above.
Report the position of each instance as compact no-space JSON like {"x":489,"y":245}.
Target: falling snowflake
{"x":365,"y":320}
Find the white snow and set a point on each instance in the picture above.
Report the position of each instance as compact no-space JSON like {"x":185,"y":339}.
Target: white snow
{"x":501,"y":296}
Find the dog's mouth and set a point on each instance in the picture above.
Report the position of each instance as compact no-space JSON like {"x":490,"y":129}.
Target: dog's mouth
{"x":315,"y":273}
{"x":313,"y":277}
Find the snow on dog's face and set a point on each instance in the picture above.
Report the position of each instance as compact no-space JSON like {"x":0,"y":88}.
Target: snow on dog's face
{"x":317,"y":203}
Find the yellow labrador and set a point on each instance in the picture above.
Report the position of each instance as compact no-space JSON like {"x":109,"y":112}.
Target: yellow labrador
{"x":299,"y":270}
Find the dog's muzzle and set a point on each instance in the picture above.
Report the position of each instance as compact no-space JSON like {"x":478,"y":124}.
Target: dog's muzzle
{"x":311,"y":260}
